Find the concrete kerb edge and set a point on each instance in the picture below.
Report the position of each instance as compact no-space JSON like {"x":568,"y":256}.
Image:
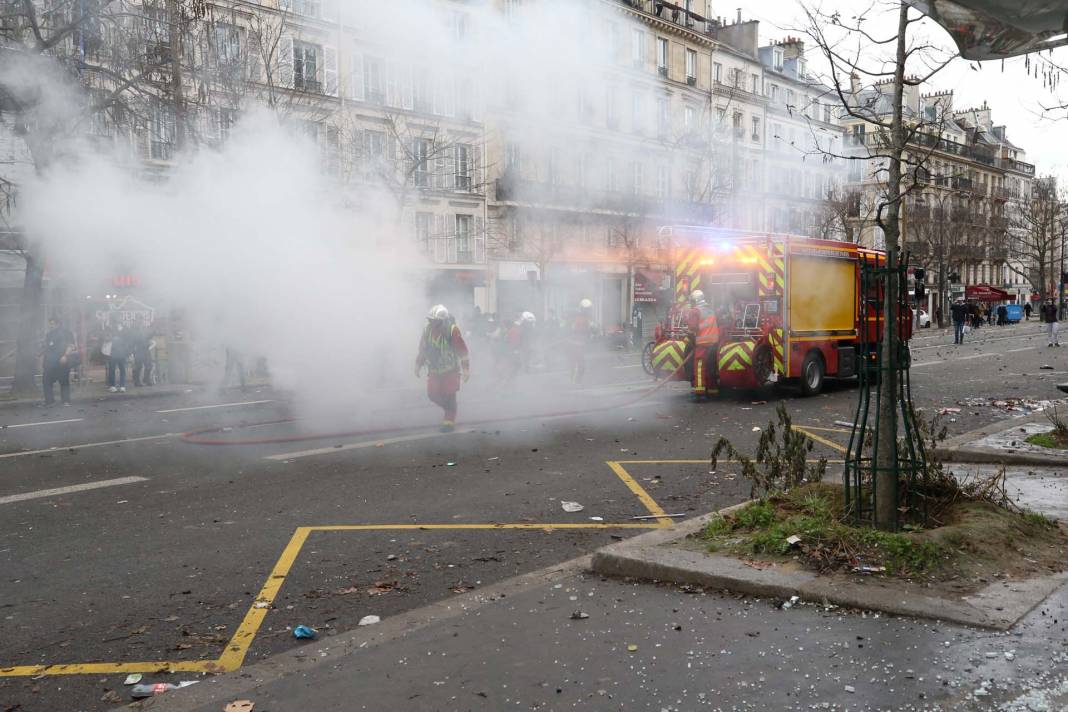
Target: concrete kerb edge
{"x":957,"y":450}
{"x":643,"y":557}
{"x":222,"y":689}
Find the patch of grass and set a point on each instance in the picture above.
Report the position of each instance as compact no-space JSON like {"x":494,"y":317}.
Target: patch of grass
{"x":1039,"y":520}
{"x":1050,"y":440}
{"x":758,"y":515}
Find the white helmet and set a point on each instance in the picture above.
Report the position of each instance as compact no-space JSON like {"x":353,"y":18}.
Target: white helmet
{"x":527,"y":317}
{"x":697,"y":296}
{"x":586,"y":304}
{"x":438,"y":311}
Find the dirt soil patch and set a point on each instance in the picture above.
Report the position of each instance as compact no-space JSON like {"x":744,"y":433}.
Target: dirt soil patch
{"x":977,"y":543}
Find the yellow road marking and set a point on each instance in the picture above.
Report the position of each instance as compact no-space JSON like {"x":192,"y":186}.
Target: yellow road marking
{"x":110,"y":668}
{"x":237,"y":648}
{"x":639,"y":491}
{"x":829,"y":443}
{"x":694,"y":462}
{"x":521,"y":525}
{"x":825,"y":430}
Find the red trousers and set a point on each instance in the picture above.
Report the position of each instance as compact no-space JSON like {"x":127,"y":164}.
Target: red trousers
{"x":441,"y":388}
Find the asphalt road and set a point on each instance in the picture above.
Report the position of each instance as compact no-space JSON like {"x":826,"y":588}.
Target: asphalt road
{"x":154,"y":551}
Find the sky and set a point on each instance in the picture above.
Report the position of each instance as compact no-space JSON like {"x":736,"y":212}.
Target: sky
{"x":1015,"y":99}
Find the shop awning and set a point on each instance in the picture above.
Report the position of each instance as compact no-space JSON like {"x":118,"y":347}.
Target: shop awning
{"x":985,"y":293}
{"x":648,"y":285}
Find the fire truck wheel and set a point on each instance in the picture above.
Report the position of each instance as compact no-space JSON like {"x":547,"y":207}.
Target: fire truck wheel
{"x":812,"y":373}
{"x":647,"y":359}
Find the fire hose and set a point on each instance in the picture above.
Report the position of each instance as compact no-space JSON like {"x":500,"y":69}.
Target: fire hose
{"x":197,"y":437}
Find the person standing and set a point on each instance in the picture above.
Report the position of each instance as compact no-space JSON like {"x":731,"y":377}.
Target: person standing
{"x":706,"y":344}
{"x":579,"y":341}
{"x":1027,"y":311}
{"x":140,"y":343}
{"x":443,"y":351}
{"x":119,"y":355}
{"x":959,"y":313}
{"x":1048,"y":313}
{"x":57,"y":361}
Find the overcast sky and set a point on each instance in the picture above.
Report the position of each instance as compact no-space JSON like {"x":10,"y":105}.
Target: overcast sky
{"x":1015,"y":98}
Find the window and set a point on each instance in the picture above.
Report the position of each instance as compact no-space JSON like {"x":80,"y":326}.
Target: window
{"x":463,"y":238}
{"x":637,"y":47}
{"x":637,"y":112}
{"x":552,"y":166}
{"x":224,"y":121}
{"x":512,"y":156}
{"x":308,"y":8}
{"x":689,"y":118}
{"x":662,"y":56}
{"x":306,"y":67}
{"x":663,"y":117}
{"x":790,"y":97}
{"x":774,"y":92}
{"x":663,"y":182}
{"x":373,"y":80}
{"x":754,"y":83}
{"x":827,"y":118}
{"x":421,"y":91}
{"x":163,"y":130}
{"x":777,"y":58}
{"x":611,"y":117}
{"x":637,"y":178}
{"x":422,"y":231}
{"x":610,"y":174}
{"x":582,"y":169}
{"x":462,"y":163}
{"x":691,"y":66}
{"x":227,"y":44}
{"x":717,"y":72}
{"x":420,"y":156}
{"x":331,"y":158}
{"x":802,"y":69}
{"x":756,"y":128}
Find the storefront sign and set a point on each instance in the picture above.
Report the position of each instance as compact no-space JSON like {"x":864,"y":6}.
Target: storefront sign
{"x":125,"y":312}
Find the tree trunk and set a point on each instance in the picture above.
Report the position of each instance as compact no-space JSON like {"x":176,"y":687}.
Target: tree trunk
{"x":29,"y":336}
{"x":886,"y":483}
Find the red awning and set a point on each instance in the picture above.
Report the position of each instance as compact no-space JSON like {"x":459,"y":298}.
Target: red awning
{"x":985,"y":293}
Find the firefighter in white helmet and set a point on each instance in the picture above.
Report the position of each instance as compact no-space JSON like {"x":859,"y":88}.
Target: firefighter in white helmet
{"x":704,"y":326}
{"x":579,"y":340}
{"x":444,"y":353}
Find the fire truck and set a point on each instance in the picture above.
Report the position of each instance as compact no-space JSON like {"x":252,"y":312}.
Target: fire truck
{"x":790,"y":308}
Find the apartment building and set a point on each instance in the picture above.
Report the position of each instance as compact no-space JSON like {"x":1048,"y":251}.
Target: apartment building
{"x":964,"y":178}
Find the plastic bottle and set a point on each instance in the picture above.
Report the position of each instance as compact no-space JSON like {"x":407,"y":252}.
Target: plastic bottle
{"x":140,"y":691}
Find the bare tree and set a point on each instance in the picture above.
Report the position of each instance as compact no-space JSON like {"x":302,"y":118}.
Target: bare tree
{"x":834,"y":216}
{"x":900,"y":147}
{"x":1037,"y":235}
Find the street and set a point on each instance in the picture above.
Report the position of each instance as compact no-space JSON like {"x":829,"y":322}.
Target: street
{"x":127,"y":549}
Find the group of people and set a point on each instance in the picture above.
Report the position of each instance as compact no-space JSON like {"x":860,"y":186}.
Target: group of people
{"x":444,"y":353}
{"x":970,"y":315}
{"x":131,"y":346}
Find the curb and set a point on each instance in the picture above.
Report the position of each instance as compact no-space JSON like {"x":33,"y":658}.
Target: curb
{"x":215,"y":691}
{"x":956,"y":449}
{"x":998,"y":606}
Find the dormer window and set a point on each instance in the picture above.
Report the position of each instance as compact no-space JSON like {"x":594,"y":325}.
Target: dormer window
{"x":801,"y":68}
{"x":777,"y":58}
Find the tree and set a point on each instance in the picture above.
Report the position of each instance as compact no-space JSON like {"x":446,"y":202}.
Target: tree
{"x":901,"y":146}
{"x":940,"y":237}
{"x":1037,"y":234}
{"x":834,"y":217}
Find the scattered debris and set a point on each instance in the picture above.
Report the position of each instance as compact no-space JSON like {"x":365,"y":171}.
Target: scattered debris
{"x":369,"y":620}
{"x":850,"y":689}
{"x":261,"y":604}
{"x":579,"y":616}
{"x":632,"y":648}
{"x":864,"y":569}
{"x":756,"y":428}
{"x":596,"y":519}
{"x":132,"y":679}
{"x":1046,"y":367}
{"x":303,"y":631}
{"x":571,"y":506}
{"x":450,"y":464}
{"x":944,"y":411}
{"x":657,"y":516}
{"x":786,"y":605}
{"x":391,"y":557}
{"x":1022,"y":406}
{"x":793,"y":540}
{"x":380,"y":587}
{"x":240,"y":706}
{"x":141,"y":691}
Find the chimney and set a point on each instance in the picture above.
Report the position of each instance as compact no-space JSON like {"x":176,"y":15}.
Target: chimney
{"x":739,"y":15}
{"x":793,"y":48}
{"x":854,"y":83}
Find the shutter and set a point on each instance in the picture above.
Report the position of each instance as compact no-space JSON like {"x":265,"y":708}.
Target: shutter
{"x":440,"y":179}
{"x":389,"y":69}
{"x":356,"y":81}
{"x":439,"y":238}
{"x":479,"y":239}
{"x":476,"y":168}
{"x":407,"y":87}
{"x":330,"y":71}
{"x":450,"y":167}
{"x":284,"y":62}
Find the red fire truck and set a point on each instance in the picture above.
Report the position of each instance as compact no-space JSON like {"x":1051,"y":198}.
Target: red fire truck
{"x":791,"y":308}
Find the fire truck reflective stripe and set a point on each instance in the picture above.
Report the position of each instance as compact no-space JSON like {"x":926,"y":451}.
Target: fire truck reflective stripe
{"x":668,"y":356}
{"x":687,"y":274}
{"x":736,"y":356}
{"x":775,"y":338}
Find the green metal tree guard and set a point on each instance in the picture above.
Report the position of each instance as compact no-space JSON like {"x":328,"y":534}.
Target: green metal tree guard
{"x":908,"y":461}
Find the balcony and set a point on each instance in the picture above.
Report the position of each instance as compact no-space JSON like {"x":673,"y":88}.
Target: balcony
{"x":730,"y":90}
{"x":1001,"y":194}
{"x":310,"y":85}
{"x":452,"y":250}
{"x":1018,"y":166}
{"x":674,"y":14}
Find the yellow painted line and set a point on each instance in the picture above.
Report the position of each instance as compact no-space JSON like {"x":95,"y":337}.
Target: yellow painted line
{"x":694,"y":462}
{"x":825,"y":430}
{"x":238,"y":646}
{"x":637,"y":489}
{"x":110,"y":668}
{"x":822,"y":440}
{"x":522,"y":525}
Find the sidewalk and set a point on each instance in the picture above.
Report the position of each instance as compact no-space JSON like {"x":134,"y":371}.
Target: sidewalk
{"x":562,"y":639}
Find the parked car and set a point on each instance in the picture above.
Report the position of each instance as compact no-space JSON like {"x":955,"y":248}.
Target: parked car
{"x":923,"y":319}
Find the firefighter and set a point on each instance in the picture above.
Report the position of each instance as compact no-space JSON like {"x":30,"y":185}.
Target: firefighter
{"x":706,"y":341}
{"x":579,"y":340}
{"x":443,"y":351}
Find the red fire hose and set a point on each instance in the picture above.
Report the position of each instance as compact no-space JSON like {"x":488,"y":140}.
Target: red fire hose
{"x":195,"y":437}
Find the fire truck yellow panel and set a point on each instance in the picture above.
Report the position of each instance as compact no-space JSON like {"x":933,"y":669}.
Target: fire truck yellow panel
{"x":822,"y":294}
